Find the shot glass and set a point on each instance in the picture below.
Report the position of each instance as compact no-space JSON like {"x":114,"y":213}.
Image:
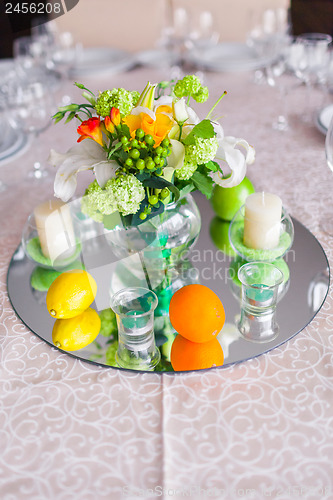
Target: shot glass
{"x":134,"y":308}
{"x":260,"y":282}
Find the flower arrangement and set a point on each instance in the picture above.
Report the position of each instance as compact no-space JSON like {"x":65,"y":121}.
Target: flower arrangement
{"x":146,"y":150}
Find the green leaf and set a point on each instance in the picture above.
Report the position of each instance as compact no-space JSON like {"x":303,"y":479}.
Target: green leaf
{"x":204,"y":130}
{"x":125,"y":131}
{"x":58,"y":117}
{"x":114,"y":149}
{"x":204,"y":183}
{"x":70,"y":117}
{"x":213,"y":166}
{"x":186,"y":190}
{"x":70,"y":107}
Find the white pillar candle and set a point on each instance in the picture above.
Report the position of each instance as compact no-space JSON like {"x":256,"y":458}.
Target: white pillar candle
{"x":55,"y":229}
{"x":262,"y":220}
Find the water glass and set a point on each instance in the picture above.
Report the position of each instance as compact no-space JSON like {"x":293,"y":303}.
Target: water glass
{"x":134,"y":308}
{"x":260,"y":282}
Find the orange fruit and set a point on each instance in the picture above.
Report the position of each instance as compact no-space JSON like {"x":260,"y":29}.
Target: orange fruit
{"x":187,"y":355}
{"x":196,"y":313}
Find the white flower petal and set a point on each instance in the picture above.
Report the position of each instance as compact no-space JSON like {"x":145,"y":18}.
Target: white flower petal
{"x":65,"y":179}
{"x":176,"y":158}
{"x":193,"y":118}
{"x":82,"y":156}
{"x":164,"y":100}
{"x":250,"y":151}
{"x":141,"y":109}
{"x":105,"y":171}
{"x":179,"y":111}
{"x":218,"y":130}
{"x":235,"y":160}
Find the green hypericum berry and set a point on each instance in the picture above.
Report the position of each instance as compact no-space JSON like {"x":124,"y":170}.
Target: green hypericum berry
{"x":159,"y":150}
{"x":129,"y":162}
{"x":134,"y":143}
{"x":157,"y":160}
{"x":159,"y":171}
{"x":140,"y":164}
{"x":149,"y":140}
{"x":164,"y":193}
{"x":124,"y":139}
{"x":135,"y":154}
{"x":164,"y":152}
{"x":139,"y":134}
{"x":143,"y":216}
{"x":165,"y":143}
{"x":150,"y":165}
{"x":153,"y":200}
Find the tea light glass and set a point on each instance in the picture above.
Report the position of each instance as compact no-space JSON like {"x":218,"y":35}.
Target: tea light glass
{"x":236,"y":234}
{"x":260,"y":283}
{"x":134,"y":308}
{"x":32,"y":248}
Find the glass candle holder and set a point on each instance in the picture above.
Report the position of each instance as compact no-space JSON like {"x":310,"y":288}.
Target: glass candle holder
{"x":236,"y":238}
{"x":134,"y":308}
{"x":260,"y":283}
{"x":52,"y":241}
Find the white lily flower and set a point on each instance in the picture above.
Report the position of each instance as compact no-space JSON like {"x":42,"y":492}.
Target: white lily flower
{"x":179,"y":111}
{"x":86,"y":155}
{"x":176,"y":159}
{"x":235,"y":159}
{"x":141,"y":109}
{"x":105,"y":171}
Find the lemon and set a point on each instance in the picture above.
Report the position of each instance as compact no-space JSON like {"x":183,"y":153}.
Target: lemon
{"x":70,"y":294}
{"x":75,"y":333}
{"x":227,"y":201}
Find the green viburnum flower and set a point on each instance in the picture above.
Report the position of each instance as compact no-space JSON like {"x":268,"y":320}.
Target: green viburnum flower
{"x":98,"y":202}
{"x":89,"y":208}
{"x":202,"y":151}
{"x":121,"y":194}
{"x":122,"y":99}
{"x":190,"y":86}
{"x":128,"y":193}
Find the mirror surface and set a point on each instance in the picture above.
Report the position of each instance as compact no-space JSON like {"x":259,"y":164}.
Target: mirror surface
{"x":300,"y":298}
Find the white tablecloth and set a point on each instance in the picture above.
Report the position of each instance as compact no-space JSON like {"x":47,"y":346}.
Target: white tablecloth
{"x":259,"y":429}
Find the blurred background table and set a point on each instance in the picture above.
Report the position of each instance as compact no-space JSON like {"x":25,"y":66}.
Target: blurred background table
{"x":72,"y":430}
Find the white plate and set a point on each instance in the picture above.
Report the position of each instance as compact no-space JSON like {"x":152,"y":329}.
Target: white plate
{"x":156,"y":58}
{"x":12,"y":142}
{"x":228,"y":56}
{"x":102,"y":59}
{"x":324,"y":118}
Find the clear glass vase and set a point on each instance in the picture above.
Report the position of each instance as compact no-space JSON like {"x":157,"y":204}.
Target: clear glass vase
{"x":162,"y":240}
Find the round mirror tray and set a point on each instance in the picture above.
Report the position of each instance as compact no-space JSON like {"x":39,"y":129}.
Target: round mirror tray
{"x":302,"y":294}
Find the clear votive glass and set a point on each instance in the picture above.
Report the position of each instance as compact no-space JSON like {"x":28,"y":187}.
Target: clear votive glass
{"x":134,"y":308}
{"x":260,"y":282}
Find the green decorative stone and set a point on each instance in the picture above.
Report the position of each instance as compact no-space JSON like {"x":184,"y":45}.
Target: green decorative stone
{"x":252,"y":254}
{"x":34,"y":251}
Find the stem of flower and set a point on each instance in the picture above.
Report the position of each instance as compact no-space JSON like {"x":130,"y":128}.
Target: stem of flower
{"x":220,"y":98}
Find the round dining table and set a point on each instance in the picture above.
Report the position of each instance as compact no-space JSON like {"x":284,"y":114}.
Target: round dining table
{"x":262,"y":428}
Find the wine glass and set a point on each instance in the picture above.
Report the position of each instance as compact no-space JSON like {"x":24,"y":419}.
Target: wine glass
{"x":30,"y":106}
{"x":311,"y":62}
{"x":327,"y":223}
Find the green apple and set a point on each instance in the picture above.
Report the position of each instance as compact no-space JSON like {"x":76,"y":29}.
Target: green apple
{"x":219,"y":230}
{"x":227,"y":201}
